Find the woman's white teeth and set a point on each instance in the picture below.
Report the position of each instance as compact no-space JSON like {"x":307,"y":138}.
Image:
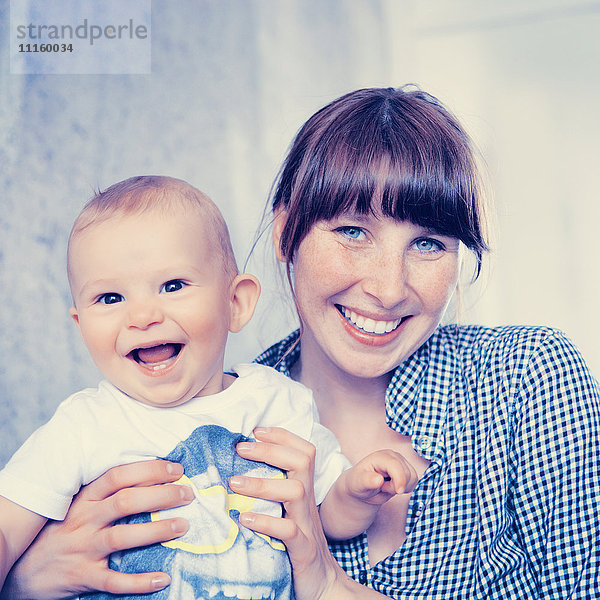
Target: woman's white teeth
{"x":370,"y":325}
{"x":159,"y":367}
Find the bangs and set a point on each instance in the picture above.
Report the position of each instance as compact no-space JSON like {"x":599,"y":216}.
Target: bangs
{"x":404,"y":183}
{"x":400,"y":190}
{"x":387,"y":152}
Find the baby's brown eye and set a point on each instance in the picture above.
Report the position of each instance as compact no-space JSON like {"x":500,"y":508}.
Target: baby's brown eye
{"x":110,"y":298}
{"x":173,"y":286}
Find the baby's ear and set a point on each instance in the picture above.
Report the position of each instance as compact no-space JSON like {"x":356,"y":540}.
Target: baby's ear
{"x":245,"y":291}
{"x":74,"y":315}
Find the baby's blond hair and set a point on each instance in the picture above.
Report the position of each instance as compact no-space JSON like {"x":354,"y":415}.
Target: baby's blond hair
{"x":145,"y":193}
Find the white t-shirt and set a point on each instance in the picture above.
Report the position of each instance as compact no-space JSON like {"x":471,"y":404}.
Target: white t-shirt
{"x":96,"y":429}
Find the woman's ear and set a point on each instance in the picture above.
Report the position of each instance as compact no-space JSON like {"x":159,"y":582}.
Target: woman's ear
{"x":245,"y":291}
{"x":279,"y":221}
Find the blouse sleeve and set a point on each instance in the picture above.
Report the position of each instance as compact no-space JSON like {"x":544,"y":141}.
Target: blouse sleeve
{"x":556,"y":458}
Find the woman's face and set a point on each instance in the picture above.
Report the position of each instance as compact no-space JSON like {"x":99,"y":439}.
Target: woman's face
{"x":371,"y":290}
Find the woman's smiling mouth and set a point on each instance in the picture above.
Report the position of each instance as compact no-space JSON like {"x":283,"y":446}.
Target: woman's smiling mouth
{"x":368,"y":325}
{"x":371,"y":332}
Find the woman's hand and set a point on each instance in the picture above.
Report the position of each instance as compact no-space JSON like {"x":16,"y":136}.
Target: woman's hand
{"x":71,"y":556}
{"x":317,"y":575}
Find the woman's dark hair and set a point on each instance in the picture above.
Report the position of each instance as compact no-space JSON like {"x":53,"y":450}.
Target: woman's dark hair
{"x":394,"y":150}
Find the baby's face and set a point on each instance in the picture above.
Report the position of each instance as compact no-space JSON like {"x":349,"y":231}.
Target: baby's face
{"x":152,"y":304}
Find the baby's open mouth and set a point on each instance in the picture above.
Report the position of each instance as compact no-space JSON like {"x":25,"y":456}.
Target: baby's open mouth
{"x":156,"y":357}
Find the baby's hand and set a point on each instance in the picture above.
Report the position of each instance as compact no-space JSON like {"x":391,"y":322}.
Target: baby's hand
{"x":352,"y":503}
{"x":379,"y":476}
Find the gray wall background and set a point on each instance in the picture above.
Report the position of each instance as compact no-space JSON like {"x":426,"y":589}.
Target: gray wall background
{"x":231,"y":82}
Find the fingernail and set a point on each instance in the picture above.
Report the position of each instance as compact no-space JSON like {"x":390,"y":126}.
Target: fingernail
{"x":245,"y":447}
{"x":160,"y":581}
{"x":237,"y":481}
{"x":187,"y":493}
{"x":262,"y":429}
{"x":179,"y":526}
{"x":174,"y":469}
{"x":246,"y":519}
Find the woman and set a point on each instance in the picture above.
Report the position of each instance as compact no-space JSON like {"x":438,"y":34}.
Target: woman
{"x":374,"y":205}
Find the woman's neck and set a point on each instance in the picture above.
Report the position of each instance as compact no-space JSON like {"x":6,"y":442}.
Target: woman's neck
{"x":337,"y":392}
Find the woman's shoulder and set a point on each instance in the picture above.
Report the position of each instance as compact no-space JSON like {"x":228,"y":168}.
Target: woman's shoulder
{"x":521,"y":339}
{"x":517,"y":351}
{"x":506,"y":334}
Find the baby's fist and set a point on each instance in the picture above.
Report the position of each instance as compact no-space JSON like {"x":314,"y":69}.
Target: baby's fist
{"x":381,"y":475}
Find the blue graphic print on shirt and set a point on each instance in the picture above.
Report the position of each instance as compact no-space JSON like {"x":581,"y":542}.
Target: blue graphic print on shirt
{"x":217,"y":558}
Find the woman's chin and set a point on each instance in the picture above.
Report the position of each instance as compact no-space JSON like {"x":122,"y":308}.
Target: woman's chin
{"x":366,"y":367}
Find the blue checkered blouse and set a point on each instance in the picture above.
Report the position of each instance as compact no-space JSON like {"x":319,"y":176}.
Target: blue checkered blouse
{"x":510,"y":504}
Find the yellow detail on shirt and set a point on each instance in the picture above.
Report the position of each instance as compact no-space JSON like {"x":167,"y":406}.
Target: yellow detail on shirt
{"x":231,"y":502}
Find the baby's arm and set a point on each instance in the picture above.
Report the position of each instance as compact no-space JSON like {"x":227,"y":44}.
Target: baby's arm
{"x":354,"y":499}
{"x":18,"y":528}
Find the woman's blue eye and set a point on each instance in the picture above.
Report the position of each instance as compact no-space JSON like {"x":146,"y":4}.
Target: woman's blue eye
{"x":351,"y":232}
{"x":428,"y":245}
{"x":173,"y":286}
{"x":110,"y":298}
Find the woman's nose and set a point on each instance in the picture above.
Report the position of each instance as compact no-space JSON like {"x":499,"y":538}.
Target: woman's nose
{"x":386,"y":280}
{"x":143,"y":314}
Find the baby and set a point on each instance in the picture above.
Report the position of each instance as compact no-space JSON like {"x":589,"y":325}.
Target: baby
{"x":156,"y":290}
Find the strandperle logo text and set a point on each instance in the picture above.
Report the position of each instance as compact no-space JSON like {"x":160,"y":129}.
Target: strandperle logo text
{"x":83,"y":31}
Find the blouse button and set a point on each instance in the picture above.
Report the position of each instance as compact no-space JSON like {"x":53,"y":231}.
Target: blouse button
{"x":424,"y":442}
{"x":363,"y":577}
